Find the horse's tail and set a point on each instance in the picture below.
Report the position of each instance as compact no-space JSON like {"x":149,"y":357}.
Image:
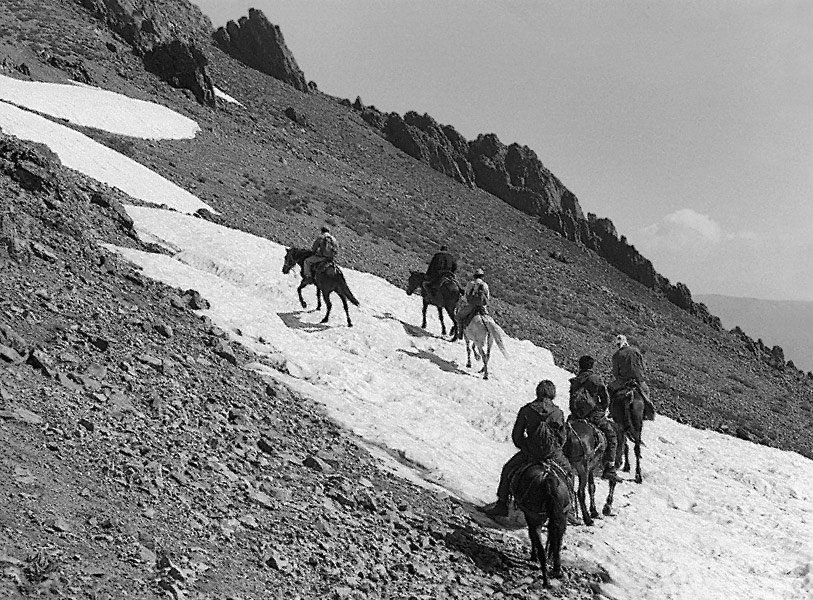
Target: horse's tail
{"x":346,"y":290}
{"x":496,"y":332}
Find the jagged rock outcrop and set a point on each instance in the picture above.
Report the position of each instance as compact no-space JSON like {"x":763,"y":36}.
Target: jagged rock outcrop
{"x":168,"y":34}
{"x":144,"y":24}
{"x":182,"y":65}
{"x":423,"y":138}
{"x":258,"y":43}
{"x":515,"y":174}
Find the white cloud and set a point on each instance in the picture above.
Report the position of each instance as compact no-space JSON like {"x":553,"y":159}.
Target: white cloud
{"x":684,"y":228}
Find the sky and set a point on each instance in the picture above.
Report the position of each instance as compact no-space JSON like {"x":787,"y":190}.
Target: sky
{"x":690,"y":125}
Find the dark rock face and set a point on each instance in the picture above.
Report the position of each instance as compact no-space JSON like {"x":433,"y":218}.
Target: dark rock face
{"x":516,"y":175}
{"x":182,"y":65}
{"x":259,"y":44}
{"x":168,"y":34}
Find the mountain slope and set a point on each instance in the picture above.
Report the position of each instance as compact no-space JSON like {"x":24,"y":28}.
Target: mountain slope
{"x":784,"y":322}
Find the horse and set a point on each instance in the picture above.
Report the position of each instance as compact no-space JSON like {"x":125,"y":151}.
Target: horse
{"x":480,"y":335}
{"x":327,"y":278}
{"x":628,"y":406}
{"x":584,"y":449}
{"x":445,"y":297}
{"x":541,"y":492}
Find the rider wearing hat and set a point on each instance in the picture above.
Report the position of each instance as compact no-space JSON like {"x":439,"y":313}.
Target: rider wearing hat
{"x":536,"y":444}
{"x":477,"y":296}
{"x":324,"y":248}
{"x":443,"y":263}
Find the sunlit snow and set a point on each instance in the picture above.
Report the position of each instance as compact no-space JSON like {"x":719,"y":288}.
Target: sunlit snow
{"x":716,"y":517}
{"x":221,"y":94}
{"x":85,"y":155}
{"x":102,"y":109}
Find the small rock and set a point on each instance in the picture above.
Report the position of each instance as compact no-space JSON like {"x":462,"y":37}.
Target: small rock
{"x":275,"y":560}
{"x":264,"y":445}
{"x":9,"y":355}
{"x":164,"y":329}
{"x":22,"y":415}
{"x":100,"y":343}
{"x":42,"y":362}
{"x":261,"y":498}
{"x":87,"y":424}
{"x":42,"y":252}
{"x":60,"y":524}
{"x":225,"y":352}
{"x":317,"y":464}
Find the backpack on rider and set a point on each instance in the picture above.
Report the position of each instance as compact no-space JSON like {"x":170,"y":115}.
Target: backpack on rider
{"x":582,"y":403}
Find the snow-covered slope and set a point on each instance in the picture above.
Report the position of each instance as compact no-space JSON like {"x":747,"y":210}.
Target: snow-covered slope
{"x":98,"y":108}
{"x":79,"y":152}
{"x":716,"y":517}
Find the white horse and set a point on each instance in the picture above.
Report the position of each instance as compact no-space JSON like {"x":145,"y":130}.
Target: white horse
{"x":479,"y":336}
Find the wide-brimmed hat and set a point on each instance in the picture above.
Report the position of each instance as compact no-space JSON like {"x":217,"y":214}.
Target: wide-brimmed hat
{"x":479,"y":273}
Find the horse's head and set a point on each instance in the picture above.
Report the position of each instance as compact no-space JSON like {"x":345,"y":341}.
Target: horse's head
{"x":414,"y":282}
{"x":290,"y":261}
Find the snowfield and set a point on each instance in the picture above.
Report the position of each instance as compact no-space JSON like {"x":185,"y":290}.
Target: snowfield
{"x":716,"y":517}
{"x":79,"y":152}
{"x":94,"y":107}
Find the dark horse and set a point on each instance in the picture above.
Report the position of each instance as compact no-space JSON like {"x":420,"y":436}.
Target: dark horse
{"x":627,"y":406}
{"x":446,"y":297}
{"x":543,"y":495}
{"x":584,"y":449}
{"x":326,"y":278}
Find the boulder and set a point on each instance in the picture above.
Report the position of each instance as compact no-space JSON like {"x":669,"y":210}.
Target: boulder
{"x":182,"y":65}
{"x":259,"y":44}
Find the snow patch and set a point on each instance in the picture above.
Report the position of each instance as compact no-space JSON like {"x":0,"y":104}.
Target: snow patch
{"x":101,"y":109}
{"x":79,"y":152}
{"x":221,"y":94}
{"x":716,"y":517}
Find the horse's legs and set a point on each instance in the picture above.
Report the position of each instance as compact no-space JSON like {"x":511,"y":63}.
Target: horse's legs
{"x":581,"y":494}
{"x":318,"y":298}
{"x":425,"y":306}
{"x":626,"y":467}
{"x":556,"y":532}
{"x":591,"y":488}
{"x":328,"y":305}
{"x":468,"y":351}
{"x":608,"y":504}
{"x":537,"y":549}
{"x":638,"y":478}
{"x":453,"y":331}
{"x":442,"y":324}
{"x":346,"y":311}
{"x":486,"y":356}
{"x":305,"y":283}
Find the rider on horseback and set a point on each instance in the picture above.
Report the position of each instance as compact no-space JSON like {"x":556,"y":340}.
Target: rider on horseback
{"x":539,"y":433}
{"x":443,"y":264}
{"x":477,"y":296}
{"x":629,"y":374}
{"x":324,"y":249}
{"x":589,"y":401}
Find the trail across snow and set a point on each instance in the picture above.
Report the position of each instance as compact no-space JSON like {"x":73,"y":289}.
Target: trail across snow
{"x":716,"y":517}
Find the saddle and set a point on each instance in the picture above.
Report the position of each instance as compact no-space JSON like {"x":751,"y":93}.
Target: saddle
{"x":528,"y":498}
{"x":325,"y":266}
{"x":601,"y":439}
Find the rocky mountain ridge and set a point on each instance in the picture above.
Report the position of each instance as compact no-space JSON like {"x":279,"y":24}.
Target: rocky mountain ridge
{"x":515,"y":174}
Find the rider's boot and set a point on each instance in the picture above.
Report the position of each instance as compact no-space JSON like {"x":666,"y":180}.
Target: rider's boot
{"x":500,"y":509}
{"x":610,"y":474}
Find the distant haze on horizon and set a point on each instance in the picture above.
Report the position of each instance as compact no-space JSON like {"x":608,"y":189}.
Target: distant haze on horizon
{"x":689,"y":125}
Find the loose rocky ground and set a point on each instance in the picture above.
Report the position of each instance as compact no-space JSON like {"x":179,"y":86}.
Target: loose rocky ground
{"x":142,"y":457}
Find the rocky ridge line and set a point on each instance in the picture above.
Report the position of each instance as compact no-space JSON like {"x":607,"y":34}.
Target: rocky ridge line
{"x":167,"y":34}
{"x":515,"y":174}
{"x":258,"y":43}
